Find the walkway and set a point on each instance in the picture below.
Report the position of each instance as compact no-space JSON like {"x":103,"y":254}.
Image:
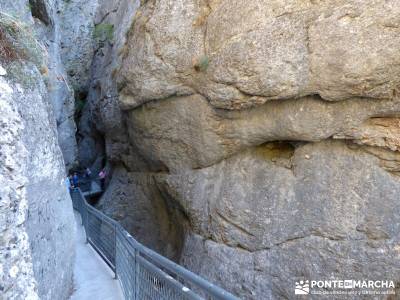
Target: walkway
{"x":143,"y":273}
{"x":95,"y":189}
{"x":93,"y":279}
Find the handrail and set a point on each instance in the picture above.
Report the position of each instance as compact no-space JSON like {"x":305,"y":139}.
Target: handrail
{"x":142,"y":273}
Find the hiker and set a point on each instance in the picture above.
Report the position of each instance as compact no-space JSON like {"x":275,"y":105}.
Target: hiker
{"x":75,"y":180}
{"x":88,"y":173}
{"x":71,"y":181}
{"x":102,"y":176}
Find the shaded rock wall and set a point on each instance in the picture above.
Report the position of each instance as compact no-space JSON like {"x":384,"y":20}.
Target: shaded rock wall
{"x":36,"y":220}
{"x":135,"y":200}
{"x":61,"y":90}
{"x":77,"y":46}
{"x":101,"y":125}
{"x":45,"y":25}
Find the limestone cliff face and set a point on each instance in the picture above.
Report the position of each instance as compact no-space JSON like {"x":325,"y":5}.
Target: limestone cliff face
{"x":77,"y":25}
{"x":269,"y":130}
{"x":37,"y":227}
{"x":250,"y":53}
{"x":44,"y":21}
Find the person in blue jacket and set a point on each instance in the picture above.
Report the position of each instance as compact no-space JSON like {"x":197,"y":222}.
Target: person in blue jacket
{"x":75,"y":180}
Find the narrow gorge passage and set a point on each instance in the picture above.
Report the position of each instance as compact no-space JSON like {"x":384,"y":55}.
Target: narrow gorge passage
{"x":255,"y":143}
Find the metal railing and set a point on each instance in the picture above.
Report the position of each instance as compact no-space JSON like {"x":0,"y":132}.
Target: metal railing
{"x":86,"y":183}
{"x":142,"y":273}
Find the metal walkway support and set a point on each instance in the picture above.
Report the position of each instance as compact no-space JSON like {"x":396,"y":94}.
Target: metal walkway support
{"x":142,"y":273}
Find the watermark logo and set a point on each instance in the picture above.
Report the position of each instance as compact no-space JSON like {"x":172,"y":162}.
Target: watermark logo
{"x":302,"y":287}
{"x":344,"y":287}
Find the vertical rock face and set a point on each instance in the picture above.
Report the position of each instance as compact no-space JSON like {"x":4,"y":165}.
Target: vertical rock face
{"x":102,"y":114}
{"x":133,"y":198}
{"x":36,"y":222}
{"x":61,"y":91}
{"x":46,"y":27}
{"x":77,"y":28}
{"x":17,"y":270}
{"x":270,"y":129}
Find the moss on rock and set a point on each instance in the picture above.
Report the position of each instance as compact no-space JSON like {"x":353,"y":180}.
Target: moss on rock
{"x":18,"y":42}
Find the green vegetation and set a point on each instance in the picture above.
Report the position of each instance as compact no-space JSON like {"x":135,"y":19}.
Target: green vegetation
{"x":79,"y":106}
{"x":17,"y":42}
{"x":201,"y":64}
{"x":103,"y":32}
{"x":19,"y":51}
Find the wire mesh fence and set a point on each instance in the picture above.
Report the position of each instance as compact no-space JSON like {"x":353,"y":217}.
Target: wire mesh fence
{"x":142,"y":273}
{"x":87,"y":184}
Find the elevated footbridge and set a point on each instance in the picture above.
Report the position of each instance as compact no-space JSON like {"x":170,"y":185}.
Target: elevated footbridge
{"x":142,"y":273}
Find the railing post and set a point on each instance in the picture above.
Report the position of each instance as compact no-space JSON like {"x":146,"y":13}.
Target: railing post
{"x":86,"y":212}
{"x":115,"y":252}
{"x":136,"y":261}
{"x":81,"y":211}
{"x":137,"y":270}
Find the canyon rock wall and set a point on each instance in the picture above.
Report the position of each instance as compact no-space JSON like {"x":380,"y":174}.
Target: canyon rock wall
{"x":77,"y":45}
{"x":270,"y":131}
{"x":133,"y":198}
{"x":36,"y":219}
{"x":47,"y":27}
{"x":44,"y":19}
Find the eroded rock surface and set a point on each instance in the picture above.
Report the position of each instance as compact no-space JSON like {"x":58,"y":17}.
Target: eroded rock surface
{"x":136,"y":202}
{"x":101,"y":125}
{"x":273,"y":128}
{"x":252,"y":52}
{"x":184,"y":132}
{"x":77,"y":46}
{"x":41,"y":20}
{"x":37,"y":227}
